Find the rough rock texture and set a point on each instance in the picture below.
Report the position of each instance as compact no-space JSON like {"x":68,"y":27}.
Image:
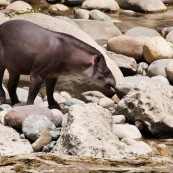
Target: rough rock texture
{"x":126,"y":45}
{"x":88,"y":132}
{"x":17,"y":115}
{"x":142,"y":31}
{"x":157,"y":48}
{"x":100,"y":31}
{"x":101,"y":5}
{"x":19,"y":7}
{"x":158,"y":67}
{"x":150,"y":103}
{"x":11,"y":144}
{"x":142,"y":6}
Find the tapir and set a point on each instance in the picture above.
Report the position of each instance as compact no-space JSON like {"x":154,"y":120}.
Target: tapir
{"x":28,"y":49}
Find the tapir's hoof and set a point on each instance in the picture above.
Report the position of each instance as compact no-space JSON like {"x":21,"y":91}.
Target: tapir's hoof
{"x":2,"y":100}
{"x":54,"y":106}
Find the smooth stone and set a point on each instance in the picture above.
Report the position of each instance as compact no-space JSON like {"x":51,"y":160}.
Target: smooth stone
{"x":106,"y":102}
{"x":166,"y":30}
{"x":161,"y":79}
{"x":35,"y":124}
{"x":2,"y":116}
{"x":43,"y":140}
{"x":65,"y":95}
{"x":4,"y":107}
{"x":57,"y":117}
{"x":51,"y":145}
{"x":4,"y":2}
{"x":118,"y":119}
{"x":129,"y":141}
{"x":45,"y":149}
{"x":126,"y":130}
{"x":142,"y":68}
{"x":81,"y":14}
{"x":73,"y":101}
{"x":115,"y":98}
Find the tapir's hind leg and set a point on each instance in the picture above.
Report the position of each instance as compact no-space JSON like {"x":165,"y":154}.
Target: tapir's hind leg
{"x":50,"y":85}
{"x":2,"y":92}
{"x":12,"y":86}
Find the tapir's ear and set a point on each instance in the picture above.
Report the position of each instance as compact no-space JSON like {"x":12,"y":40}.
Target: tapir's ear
{"x":97,"y":58}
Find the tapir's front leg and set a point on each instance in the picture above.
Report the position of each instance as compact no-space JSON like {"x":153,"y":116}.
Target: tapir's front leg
{"x":50,"y":85}
{"x":12,"y":86}
{"x":35,"y":84}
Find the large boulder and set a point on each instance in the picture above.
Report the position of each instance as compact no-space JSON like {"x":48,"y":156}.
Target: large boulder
{"x":127,"y":45}
{"x":151,"y":104}
{"x":101,"y":5}
{"x":142,"y":6}
{"x":58,"y":25}
{"x":157,"y":48}
{"x":12,"y":144}
{"x":100,"y":31}
{"x":90,"y":134}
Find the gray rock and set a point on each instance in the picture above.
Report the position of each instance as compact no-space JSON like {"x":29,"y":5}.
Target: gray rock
{"x":91,"y":96}
{"x":157,"y":48}
{"x":98,"y":15}
{"x":11,"y":143}
{"x":150,"y":103}
{"x":142,"y":68}
{"x":65,"y":95}
{"x":4,"y":107}
{"x":55,"y":135}
{"x":73,"y":101}
{"x":34,"y":125}
{"x":51,"y":145}
{"x":118,"y":119}
{"x":128,"y":83}
{"x":142,"y":6}
{"x":90,"y":134}
{"x":126,"y":64}
{"x":19,"y":7}
{"x":142,"y":31}
{"x":43,"y":140}
{"x":126,"y":131}
{"x":158,"y":67}
{"x":57,"y":117}
{"x":73,"y":2}
{"x":169,"y":71}
{"x":68,"y":20}
{"x":81,"y":14}
{"x":58,"y":9}
{"x":100,"y":31}
{"x":127,"y":45}
{"x":2,"y":116}
{"x":102,"y":5}
{"x":17,"y":115}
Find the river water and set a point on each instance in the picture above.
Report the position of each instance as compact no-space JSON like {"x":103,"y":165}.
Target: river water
{"x":151,"y":20}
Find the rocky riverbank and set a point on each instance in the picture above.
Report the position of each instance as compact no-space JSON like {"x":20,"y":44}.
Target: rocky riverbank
{"x":95,"y":125}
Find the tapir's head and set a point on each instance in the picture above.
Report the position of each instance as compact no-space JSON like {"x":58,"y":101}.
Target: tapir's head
{"x":102,"y":74}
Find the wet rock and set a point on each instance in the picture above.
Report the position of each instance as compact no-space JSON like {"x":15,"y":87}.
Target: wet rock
{"x":100,"y":31}
{"x":91,"y":96}
{"x":34,"y":125}
{"x":43,"y":140}
{"x":118,"y":119}
{"x":98,"y":15}
{"x":81,"y":14}
{"x":150,"y":103}
{"x":169,"y":71}
{"x":82,"y":136}
{"x":17,"y":115}
{"x":126,"y":130}
{"x":11,"y":144}
{"x":58,"y":9}
{"x":142,"y":68}
{"x":142,"y":31}
{"x":127,"y":83}
{"x":57,"y":117}
{"x":127,"y":64}
{"x":19,"y":7}
{"x":157,"y":48}
{"x":158,"y":67}
{"x":142,"y":6}
{"x":4,"y":2}
{"x":126,"y":45}
{"x":102,"y":5}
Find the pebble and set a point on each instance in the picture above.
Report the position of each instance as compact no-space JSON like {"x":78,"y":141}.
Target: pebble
{"x":118,"y":119}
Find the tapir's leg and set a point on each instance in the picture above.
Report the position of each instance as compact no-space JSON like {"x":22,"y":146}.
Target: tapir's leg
{"x":50,"y":85}
{"x":35,"y":84}
{"x":2,"y":92}
{"x":12,"y":86}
